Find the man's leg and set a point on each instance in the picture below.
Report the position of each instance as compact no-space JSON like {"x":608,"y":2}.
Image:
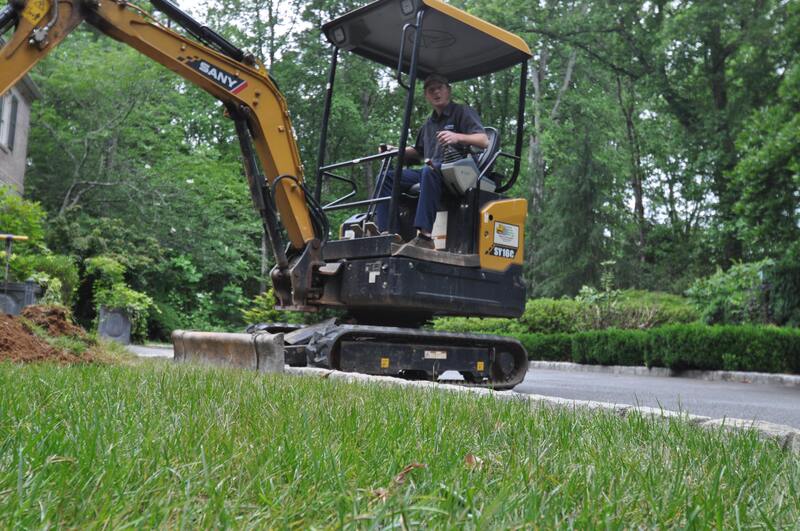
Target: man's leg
{"x":408,"y":179}
{"x":429,"y":195}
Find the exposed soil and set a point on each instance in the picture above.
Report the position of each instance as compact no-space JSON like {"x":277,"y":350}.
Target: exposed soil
{"x":19,"y":344}
{"x":55,"y":320}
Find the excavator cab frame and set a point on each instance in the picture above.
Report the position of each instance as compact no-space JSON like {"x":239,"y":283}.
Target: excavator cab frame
{"x":417,"y":38}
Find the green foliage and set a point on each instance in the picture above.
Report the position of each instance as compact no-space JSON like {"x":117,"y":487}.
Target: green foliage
{"x":135,"y":304}
{"x":609,"y":347}
{"x":262,"y":310}
{"x":49,"y":268}
{"x":733,"y":348}
{"x":22,"y":218}
{"x":550,"y":347}
{"x":591,"y":310}
{"x":680,"y":347}
{"x":164,"y":321}
{"x":32,"y":259}
{"x":551,"y":316}
{"x":769,"y":172}
{"x":631,"y":309}
{"x":108,"y":270}
{"x":111,"y":291}
{"x":479,"y":325}
{"x":783,"y":279}
{"x":734,"y":296}
{"x":52,"y":289}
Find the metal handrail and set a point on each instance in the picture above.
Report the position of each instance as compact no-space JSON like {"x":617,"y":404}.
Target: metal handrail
{"x":332,"y":206}
{"x":353,"y":162}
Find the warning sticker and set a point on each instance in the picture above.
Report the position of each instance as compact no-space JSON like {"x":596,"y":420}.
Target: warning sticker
{"x":435,"y":355}
{"x":35,"y":11}
{"x":506,"y":235}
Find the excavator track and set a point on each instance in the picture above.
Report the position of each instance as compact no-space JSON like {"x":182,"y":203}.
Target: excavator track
{"x":487,"y":361}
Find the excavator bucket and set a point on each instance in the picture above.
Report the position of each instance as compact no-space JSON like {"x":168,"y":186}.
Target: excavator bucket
{"x":260,"y":351}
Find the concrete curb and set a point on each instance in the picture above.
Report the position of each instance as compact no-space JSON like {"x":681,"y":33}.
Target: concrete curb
{"x":789,"y":380}
{"x":786,"y":437}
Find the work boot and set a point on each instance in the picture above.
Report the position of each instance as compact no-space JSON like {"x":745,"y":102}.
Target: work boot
{"x":423,"y":242}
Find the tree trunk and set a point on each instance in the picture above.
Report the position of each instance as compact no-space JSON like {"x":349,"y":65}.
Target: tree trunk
{"x":637,"y":174}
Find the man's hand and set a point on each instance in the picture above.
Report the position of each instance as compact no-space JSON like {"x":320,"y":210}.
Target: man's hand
{"x":447,"y":138}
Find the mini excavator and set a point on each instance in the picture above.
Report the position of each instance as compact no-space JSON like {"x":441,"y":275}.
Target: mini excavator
{"x":387,"y":290}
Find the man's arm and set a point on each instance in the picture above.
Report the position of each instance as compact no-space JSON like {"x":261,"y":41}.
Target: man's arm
{"x":412,"y":155}
{"x":473,"y":139}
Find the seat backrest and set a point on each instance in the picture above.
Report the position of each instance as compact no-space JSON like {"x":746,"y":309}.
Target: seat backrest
{"x":485,"y":157}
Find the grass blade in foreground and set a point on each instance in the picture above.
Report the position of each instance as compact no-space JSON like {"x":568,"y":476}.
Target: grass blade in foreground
{"x":160,"y":445}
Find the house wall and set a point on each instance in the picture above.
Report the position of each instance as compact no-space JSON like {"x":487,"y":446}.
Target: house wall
{"x":13,"y":159}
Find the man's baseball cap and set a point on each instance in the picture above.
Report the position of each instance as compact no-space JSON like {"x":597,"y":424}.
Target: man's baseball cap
{"x":435,"y":78}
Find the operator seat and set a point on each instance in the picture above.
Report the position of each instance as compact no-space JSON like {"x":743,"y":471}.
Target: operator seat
{"x":485,"y":159}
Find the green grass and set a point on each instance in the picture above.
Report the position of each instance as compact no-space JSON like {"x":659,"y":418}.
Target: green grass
{"x":163,"y":446}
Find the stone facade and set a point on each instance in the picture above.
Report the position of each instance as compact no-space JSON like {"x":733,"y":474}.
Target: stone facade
{"x":15,"y":118}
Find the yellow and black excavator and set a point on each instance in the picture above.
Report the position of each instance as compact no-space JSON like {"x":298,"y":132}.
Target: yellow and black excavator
{"x":387,"y":290}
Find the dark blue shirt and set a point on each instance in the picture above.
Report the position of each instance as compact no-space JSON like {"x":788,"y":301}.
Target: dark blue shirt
{"x":455,"y":117}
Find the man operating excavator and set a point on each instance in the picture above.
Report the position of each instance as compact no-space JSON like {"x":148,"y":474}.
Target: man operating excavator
{"x":451,"y":127}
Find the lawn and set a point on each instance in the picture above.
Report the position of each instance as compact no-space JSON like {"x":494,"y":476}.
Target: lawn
{"x":158,"y":445}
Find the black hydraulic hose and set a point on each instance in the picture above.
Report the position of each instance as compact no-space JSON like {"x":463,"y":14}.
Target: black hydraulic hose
{"x":8,"y":18}
{"x":204,"y":33}
{"x":258,"y":189}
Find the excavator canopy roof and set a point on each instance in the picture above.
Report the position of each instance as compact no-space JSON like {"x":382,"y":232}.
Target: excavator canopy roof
{"x":454,"y":43}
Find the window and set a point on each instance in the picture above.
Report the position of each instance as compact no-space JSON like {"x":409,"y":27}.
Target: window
{"x":12,"y":123}
{"x":9,"y":105}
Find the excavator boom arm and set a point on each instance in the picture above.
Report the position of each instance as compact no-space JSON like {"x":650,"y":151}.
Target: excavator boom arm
{"x":244,"y":87}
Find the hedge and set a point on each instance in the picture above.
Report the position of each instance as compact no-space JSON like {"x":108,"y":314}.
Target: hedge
{"x":679,"y":347}
{"x":549,"y":347}
{"x":610,"y":347}
{"x":633,"y":310}
{"x":731,"y":348}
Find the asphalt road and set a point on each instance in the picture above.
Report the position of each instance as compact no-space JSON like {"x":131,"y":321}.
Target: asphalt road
{"x":773,"y":403}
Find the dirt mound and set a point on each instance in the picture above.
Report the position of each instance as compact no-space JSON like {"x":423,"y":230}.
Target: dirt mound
{"x":55,"y":320}
{"x":19,"y":344}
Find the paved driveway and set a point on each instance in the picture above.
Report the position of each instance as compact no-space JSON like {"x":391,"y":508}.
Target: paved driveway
{"x":773,"y":403}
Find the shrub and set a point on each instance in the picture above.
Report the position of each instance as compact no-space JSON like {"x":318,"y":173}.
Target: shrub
{"x":50,"y":266}
{"x":262,"y":310}
{"x":548,"y":347}
{"x":162,"y":323}
{"x":783,"y":280}
{"x":609,"y":347}
{"x":733,"y":348}
{"x":550,"y":316}
{"x":21,"y":217}
{"x":111,"y":291}
{"x":631,"y":310}
{"x":136,"y":304}
{"x":476,"y":325}
{"x":734,"y":296}
{"x":52,"y":289}
{"x":591,"y":310}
